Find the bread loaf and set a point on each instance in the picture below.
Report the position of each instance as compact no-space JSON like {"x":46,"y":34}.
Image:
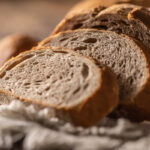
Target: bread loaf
{"x":87,"y":10}
{"x":70,"y":84}
{"x":12,"y":45}
{"x":128,"y":58}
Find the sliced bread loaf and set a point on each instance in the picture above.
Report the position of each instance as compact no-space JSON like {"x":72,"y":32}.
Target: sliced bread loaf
{"x":114,"y":18}
{"x":86,"y":11}
{"x":63,"y":80}
{"x":128,"y":58}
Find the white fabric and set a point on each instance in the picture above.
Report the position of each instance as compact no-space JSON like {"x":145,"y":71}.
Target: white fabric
{"x":37,"y":130}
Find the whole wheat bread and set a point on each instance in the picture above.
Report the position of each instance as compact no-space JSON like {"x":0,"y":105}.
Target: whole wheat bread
{"x":114,"y":18}
{"x":63,"y":80}
{"x":128,"y":58}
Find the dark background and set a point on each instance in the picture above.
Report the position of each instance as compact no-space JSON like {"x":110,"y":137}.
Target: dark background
{"x":32,"y":17}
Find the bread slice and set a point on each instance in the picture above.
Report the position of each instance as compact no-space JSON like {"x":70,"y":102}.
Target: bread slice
{"x":114,"y":18}
{"x":63,"y":80}
{"x":128,"y":58}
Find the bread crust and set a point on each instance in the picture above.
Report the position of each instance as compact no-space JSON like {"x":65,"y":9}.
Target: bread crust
{"x":92,"y":109}
{"x":140,"y":103}
{"x":12,"y":45}
{"x":142,"y":15}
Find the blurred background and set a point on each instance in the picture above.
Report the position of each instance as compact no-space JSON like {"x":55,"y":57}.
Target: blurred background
{"x":32,"y":17}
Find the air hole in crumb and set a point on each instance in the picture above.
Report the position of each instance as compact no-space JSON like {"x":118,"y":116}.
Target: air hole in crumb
{"x":10,"y":90}
{"x":121,"y":63}
{"x":141,"y":74}
{"x":130,"y":80}
{"x":26,"y":84}
{"x":77,"y":90}
{"x":100,"y":27}
{"x":74,"y":39}
{"x":90,"y":40}
{"x":38,"y":80}
{"x":35,"y":63}
{"x":80,"y":48}
{"x":7,"y":78}
{"x":39,"y":93}
{"x":77,"y":26}
{"x":37,"y":83}
{"x":46,"y":89}
{"x":113,"y":65}
{"x":70,"y":65}
{"x":72,"y":74}
{"x":124,"y":65}
{"x":48,"y":76}
{"x":86,"y":86}
{"x":114,"y":23}
{"x":64,"y":39}
{"x":104,"y":20}
{"x":54,"y":81}
{"x":85,"y":71}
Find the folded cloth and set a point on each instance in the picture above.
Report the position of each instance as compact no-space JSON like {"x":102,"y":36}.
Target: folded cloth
{"x":26,"y":128}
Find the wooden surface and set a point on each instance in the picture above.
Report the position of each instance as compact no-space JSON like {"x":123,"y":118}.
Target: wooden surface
{"x":33,"y":17}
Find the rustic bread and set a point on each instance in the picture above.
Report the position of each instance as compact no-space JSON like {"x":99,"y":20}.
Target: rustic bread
{"x":86,"y":10}
{"x":128,"y":58}
{"x":114,"y":18}
{"x":142,"y":15}
{"x":12,"y":45}
{"x":63,"y":80}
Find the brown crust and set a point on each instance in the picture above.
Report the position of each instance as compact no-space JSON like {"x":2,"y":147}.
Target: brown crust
{"x":95,"y":107}
{"x":141,"y":103}
{"x":142,"y":15}
{"x":12,"y":45}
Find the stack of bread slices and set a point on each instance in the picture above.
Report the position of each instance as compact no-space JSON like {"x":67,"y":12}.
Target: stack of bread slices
{"x":96,"y":61}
